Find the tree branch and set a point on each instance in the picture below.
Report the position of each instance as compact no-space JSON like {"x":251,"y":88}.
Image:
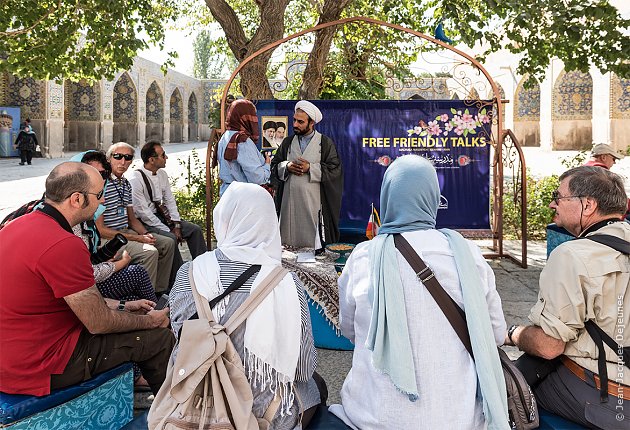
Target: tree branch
{"x":35,"y":24}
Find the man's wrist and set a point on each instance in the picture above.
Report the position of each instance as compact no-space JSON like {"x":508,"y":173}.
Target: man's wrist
{"x":177,"y":224}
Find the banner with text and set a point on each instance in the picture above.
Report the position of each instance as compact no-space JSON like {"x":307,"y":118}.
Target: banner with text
{"x":369,"y":135}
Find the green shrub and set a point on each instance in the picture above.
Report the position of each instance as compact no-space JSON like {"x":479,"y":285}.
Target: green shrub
{"x":538,"y":212}
{"x":191,"y":196}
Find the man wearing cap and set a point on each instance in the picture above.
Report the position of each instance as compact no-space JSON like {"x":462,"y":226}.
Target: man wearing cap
{"x":308,"y":177}
{"x":603,"y":155}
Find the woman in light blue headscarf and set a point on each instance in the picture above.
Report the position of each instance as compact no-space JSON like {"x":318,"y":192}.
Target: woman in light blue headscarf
{"x":409,"y":368}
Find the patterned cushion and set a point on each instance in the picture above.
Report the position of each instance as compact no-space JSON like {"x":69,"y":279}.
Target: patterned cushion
{"x":101,"y":402}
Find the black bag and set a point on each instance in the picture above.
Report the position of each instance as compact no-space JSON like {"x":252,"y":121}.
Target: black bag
{"x":161,"y":211}
{"x":522,"y":406}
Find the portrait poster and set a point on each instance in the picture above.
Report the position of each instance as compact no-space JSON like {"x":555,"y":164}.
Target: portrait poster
{"x":273,"y":130}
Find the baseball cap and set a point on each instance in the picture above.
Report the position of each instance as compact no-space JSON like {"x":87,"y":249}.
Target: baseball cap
{"x":602,"y":149}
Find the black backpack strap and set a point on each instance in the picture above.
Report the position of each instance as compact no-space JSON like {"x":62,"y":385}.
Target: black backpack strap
{"x":148,"y":185}
{"x":238,"y":282}
{"x":600,"y":337}
{"x":616,"y":243}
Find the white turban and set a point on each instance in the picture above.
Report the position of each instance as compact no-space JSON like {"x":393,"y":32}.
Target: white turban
{"x":310,"y":109}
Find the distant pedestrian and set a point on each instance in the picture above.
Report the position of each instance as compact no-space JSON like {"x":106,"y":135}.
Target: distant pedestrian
{"x":26,"y":143}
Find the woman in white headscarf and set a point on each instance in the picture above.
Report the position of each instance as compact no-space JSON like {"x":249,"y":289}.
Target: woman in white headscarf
{"x":276,"y":341}
{"x":409,"y":367}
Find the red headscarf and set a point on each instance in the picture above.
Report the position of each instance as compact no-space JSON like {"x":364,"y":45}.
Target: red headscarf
{"x":241,"y":116}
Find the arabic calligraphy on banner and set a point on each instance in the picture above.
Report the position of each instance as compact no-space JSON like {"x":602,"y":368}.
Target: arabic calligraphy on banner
{"x":370,"y":135}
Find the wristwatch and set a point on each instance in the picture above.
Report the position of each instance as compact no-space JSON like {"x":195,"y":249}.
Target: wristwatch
{"x":511,"y":331}
{"x":178,"y":224}
{"x":121,"y":305}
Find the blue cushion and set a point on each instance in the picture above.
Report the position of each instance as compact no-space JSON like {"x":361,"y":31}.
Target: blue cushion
{"x":139,"y":423}
{"x":555,"y":236}
{"x":324,"y":334}
{"x":14,"y":407}
{"x":549,"y":421}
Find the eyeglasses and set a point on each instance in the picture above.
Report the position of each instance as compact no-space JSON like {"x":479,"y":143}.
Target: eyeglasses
{"x":556,"y":197}
{"x":127,"y":157}
{"x":98,"y":195}
{"x":162,"y":155}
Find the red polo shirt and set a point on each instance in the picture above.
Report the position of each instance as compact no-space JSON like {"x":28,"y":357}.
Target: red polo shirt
{"x":40,"y":263}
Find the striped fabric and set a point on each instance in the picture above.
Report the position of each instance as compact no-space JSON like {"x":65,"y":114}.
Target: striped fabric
{"x":182,"y":305}
{"x":117,"y":195}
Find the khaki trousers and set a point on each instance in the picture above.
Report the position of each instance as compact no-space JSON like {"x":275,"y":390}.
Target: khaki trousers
{"x":94,"y":354}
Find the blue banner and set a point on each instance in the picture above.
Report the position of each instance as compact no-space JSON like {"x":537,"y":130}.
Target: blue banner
{"x":369,"y":135}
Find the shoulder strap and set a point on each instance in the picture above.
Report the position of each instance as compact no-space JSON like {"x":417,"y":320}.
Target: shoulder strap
{"x":600,"y":337}
{"x":616,"y":243}
{"x":452,"y":311}
{"x":238,"y":282}
{"x":147,"y":184}
{"x":255,"y":298}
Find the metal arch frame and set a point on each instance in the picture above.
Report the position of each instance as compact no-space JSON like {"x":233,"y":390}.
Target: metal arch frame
{"x":498,"y":164}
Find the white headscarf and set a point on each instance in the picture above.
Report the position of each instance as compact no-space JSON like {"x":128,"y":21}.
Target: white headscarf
{"x":310,"y":109}
{"x":246,"y":227}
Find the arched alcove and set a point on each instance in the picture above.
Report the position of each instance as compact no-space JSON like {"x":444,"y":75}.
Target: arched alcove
{"x":527,"y":113}
{"x":572,"y":111}
{"x":82,"y":128}
{"x":193,"y":118}
{"x":176,"y":109}
{"x":155,"y":113}
{"x":125,"y":107}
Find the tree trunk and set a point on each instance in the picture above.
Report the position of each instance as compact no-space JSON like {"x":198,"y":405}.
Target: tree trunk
{"x":254,"y":81}
{"x":313,"y":78}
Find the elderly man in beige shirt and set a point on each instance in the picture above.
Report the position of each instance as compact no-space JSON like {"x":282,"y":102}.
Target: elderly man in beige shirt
{"x":583,"y":280}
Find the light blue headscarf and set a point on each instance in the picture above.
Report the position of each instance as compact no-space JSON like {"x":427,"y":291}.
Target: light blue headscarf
{"x":410,"y":195}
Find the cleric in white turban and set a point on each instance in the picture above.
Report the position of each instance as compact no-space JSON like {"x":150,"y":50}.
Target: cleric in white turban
{"x":310,"y":109}
{"x":308,"y":179}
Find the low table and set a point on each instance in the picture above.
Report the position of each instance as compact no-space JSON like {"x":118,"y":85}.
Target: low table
{"x":320,"y":283}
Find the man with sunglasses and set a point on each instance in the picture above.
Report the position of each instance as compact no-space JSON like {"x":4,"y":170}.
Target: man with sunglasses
{"x":154,"y":253}
{"x":150,"y":187}
{"x":55,"y":326}
{"x":584,"y":285}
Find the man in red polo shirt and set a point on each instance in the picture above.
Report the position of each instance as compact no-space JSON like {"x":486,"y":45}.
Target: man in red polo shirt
{"x":55,"y":327}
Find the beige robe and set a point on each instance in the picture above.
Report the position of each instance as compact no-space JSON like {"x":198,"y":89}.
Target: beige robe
{"x":301,"y":200}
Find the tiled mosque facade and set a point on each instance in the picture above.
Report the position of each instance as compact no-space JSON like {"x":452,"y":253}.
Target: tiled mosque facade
{"x":568,"y":110}
{"x":137,"y":105}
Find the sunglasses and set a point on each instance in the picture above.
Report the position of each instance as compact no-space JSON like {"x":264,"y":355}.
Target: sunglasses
{"x":556,"y":197}
{"x":127,"y":157}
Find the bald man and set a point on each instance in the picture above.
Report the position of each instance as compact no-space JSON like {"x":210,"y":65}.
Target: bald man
{"x":308,"y":178}
{"x":56,"y":328}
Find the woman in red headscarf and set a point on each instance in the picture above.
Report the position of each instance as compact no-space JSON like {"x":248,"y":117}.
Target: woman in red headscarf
{"x":238,"y":156}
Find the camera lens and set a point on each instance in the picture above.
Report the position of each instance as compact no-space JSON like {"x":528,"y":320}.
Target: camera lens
{"x":109,"y":250}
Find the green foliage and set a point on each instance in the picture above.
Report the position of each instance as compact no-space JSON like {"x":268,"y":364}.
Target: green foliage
{"x":210,"y":60}
{"x":91,"y":39}
{"x":191,"y":196}
{"x":577,"y":160}
{"x":538,"y":212}
{"x":581,"y":33}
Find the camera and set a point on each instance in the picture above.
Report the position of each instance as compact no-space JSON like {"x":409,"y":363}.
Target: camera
{"x":109,"y":250}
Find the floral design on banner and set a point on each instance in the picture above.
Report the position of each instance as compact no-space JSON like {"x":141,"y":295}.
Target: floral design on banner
{"x":462,"y":123}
